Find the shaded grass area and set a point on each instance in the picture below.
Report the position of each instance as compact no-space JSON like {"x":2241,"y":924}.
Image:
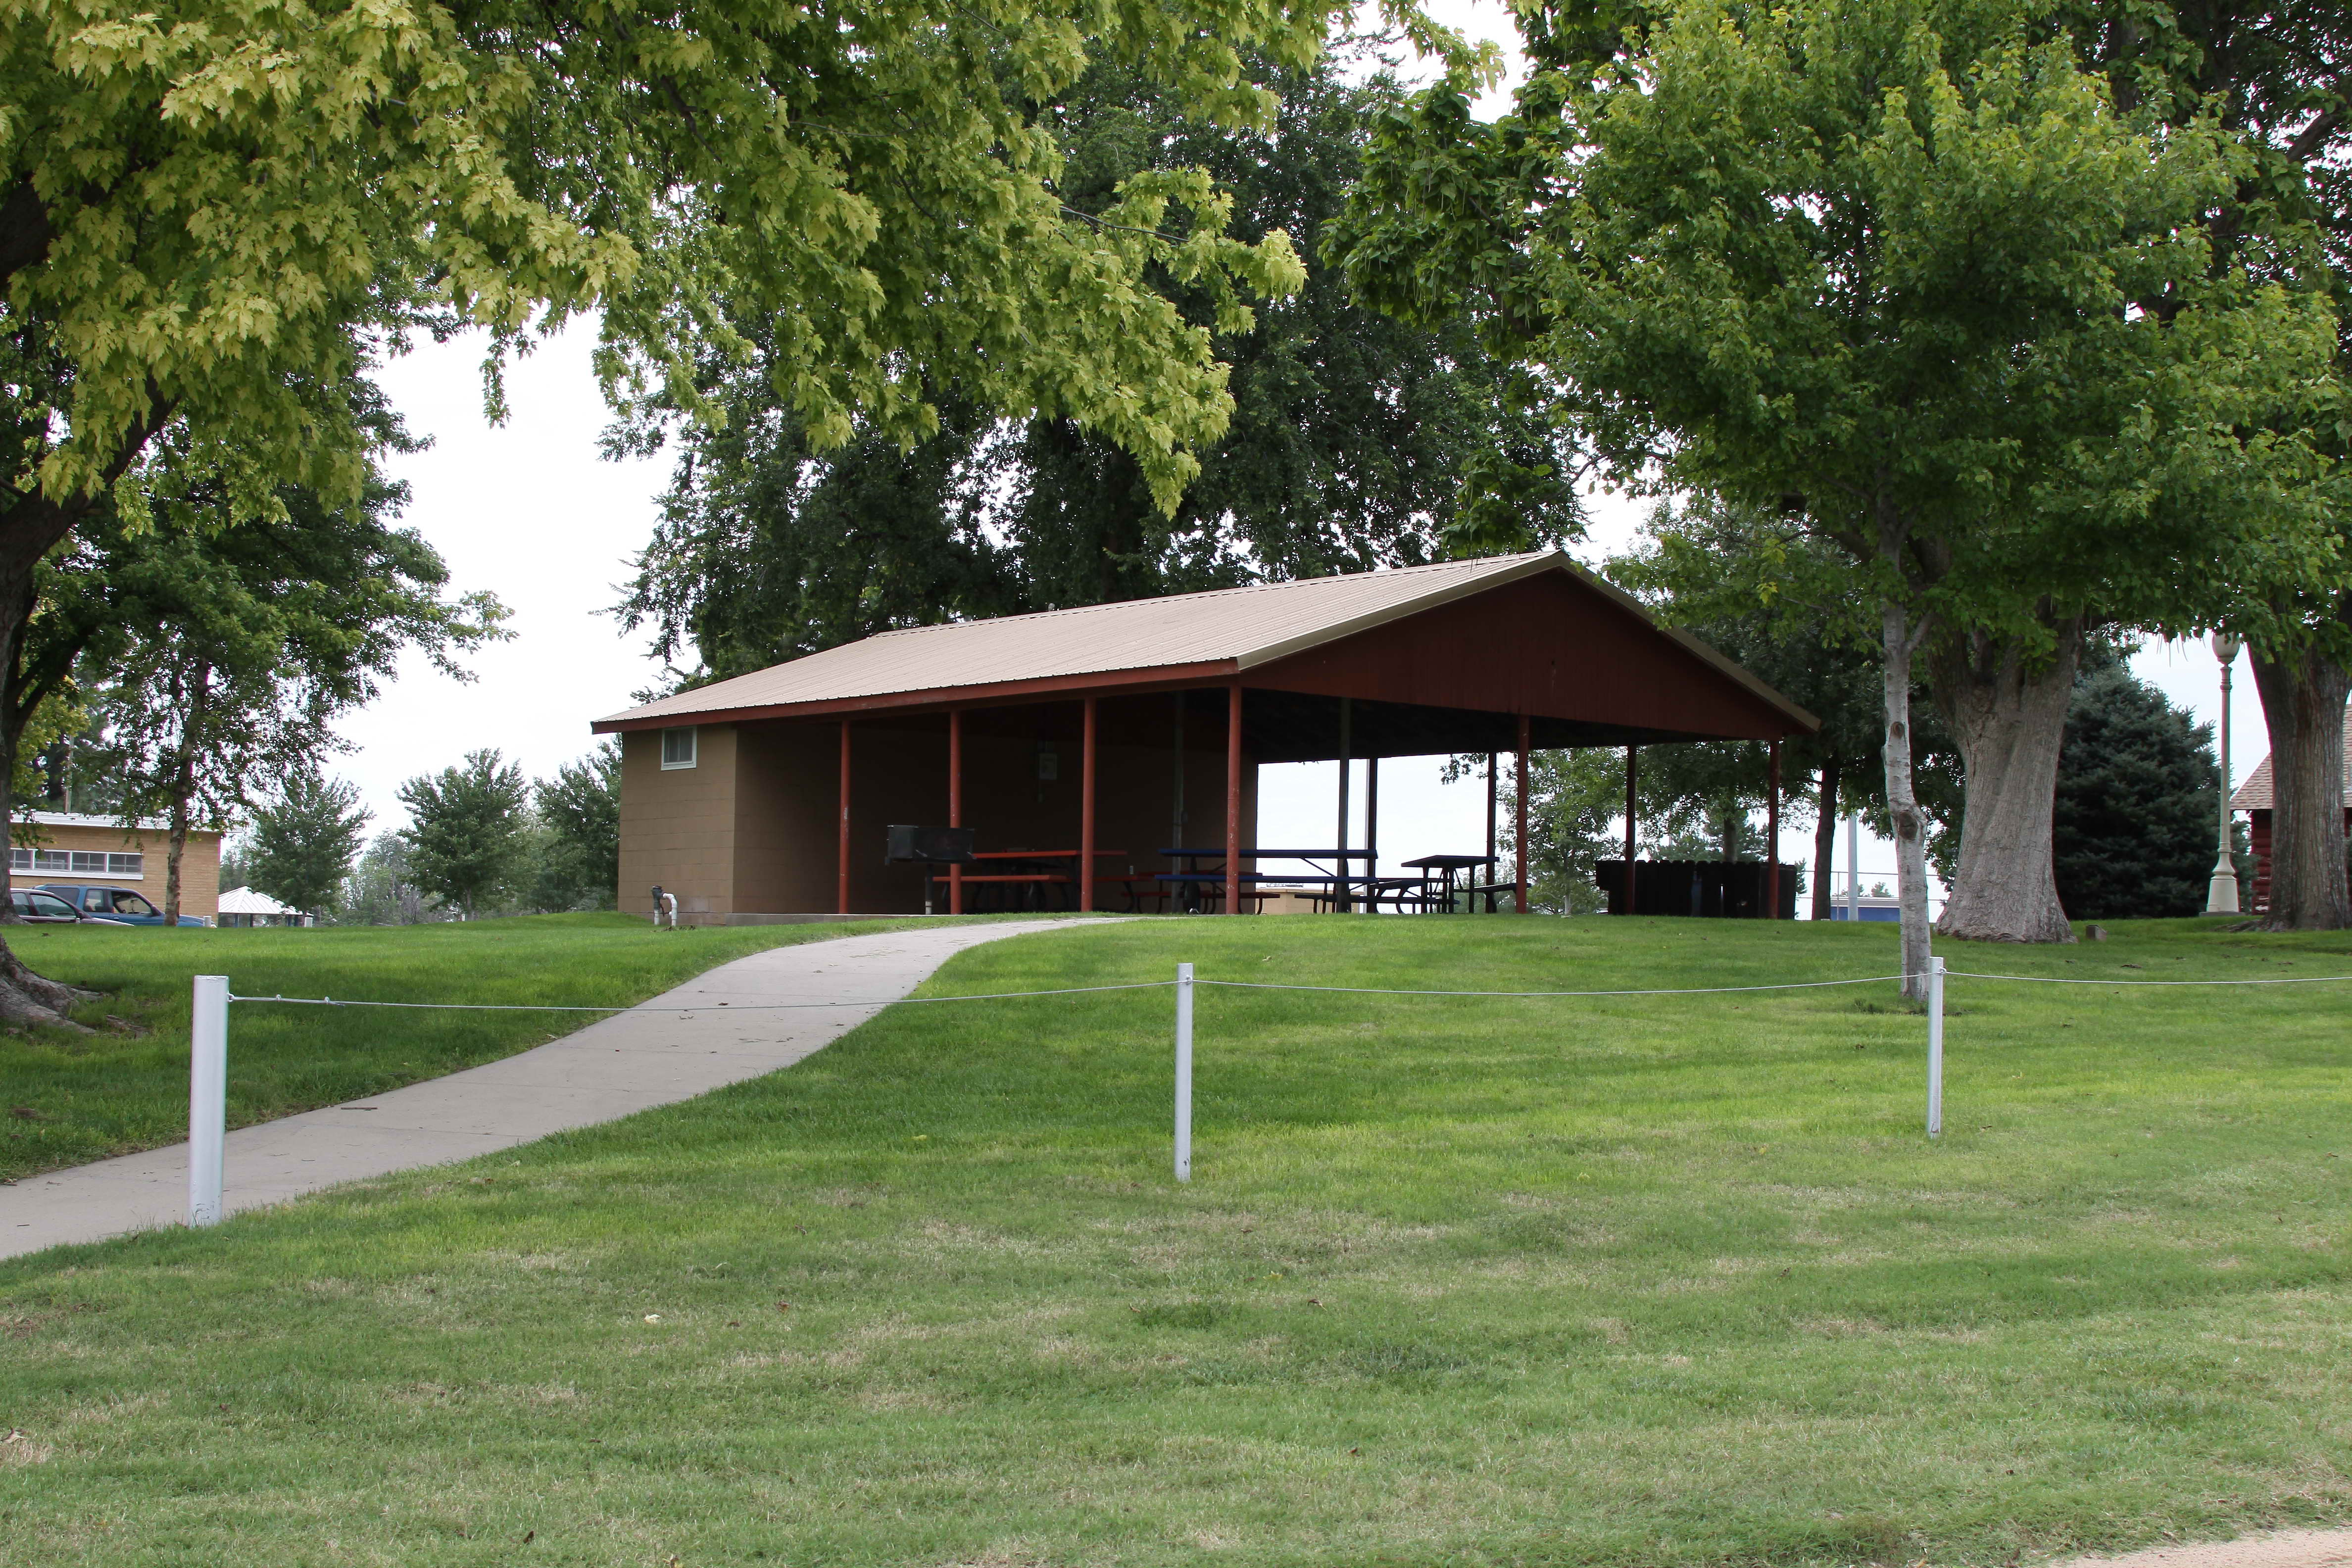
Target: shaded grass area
{"x":68,"y":1098}
{"x":1638,"y":1281}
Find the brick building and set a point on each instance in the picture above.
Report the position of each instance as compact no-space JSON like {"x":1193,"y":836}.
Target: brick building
{"x":99,"y":851}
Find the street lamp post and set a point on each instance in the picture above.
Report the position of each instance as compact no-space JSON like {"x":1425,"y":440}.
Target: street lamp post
{"x":2222,"y":896}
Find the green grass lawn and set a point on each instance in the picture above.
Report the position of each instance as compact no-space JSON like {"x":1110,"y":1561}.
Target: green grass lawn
{"x":68,"y":1099}
{"x":1638,"y":1281}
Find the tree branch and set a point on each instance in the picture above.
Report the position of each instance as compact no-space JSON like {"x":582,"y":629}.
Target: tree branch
{"x":25,"y":230}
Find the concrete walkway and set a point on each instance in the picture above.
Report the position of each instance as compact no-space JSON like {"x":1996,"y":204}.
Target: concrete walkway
{"x":652,"y":1054}
{"x":2282,"y":1549}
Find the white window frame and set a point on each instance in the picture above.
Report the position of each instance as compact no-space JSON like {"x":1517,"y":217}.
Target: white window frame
{"x":693,"y":747}
{"x":112,"y":863}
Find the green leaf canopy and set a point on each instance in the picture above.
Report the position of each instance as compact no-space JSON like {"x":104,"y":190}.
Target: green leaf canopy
{"x":205,"y":202}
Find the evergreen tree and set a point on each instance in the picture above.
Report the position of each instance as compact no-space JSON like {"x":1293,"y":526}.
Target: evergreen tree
{"x":469,"y":830}
{"x":304,"y":841}
{"x":2138,"y":802}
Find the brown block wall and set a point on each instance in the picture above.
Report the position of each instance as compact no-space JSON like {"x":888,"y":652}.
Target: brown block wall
{"x":678,"y":824}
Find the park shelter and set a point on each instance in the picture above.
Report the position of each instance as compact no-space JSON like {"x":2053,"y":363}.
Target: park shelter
{"x":1118,"y":731}
{"x":2255,"y":798}
{"x":245,"y":907}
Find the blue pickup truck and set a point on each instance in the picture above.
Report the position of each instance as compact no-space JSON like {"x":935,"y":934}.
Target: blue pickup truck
{"x":117,"y":905}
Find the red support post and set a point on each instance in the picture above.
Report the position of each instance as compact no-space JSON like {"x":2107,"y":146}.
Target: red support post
{"x":1490,"y":812}
{"x":1086,"y":816}
{"x":1633,"y":770}
{"x":1233,"y":799}
{"x":1772,"y":838}
{"x":841,"y":900}
{"x":955,"y":804}
{"x":1519,"y":821}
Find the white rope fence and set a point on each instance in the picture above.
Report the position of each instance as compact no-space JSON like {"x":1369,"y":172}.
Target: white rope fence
{"x":1674,"y":991}
{"x":208,"y":1060}
{"x":2072,"y":980}
{"x":712,"y":1008}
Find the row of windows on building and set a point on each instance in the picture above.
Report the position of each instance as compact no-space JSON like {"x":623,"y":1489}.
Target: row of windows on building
{"x":89,"y":862}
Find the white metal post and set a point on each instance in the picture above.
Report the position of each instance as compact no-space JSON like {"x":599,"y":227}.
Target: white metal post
{"x":207,"y":1097}
{"x":1183,"y":1072}
{"x":1935,"y":1048}
{"x":1853,"y":868}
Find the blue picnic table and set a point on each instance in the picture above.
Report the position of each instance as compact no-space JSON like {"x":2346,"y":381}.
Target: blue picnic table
{"x":1189,"y":885}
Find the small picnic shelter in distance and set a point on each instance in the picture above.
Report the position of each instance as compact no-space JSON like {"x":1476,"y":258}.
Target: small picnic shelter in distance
{"x":1124,"y":738}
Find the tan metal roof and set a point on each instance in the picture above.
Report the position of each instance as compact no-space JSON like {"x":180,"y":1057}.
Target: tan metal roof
{"x":2254,"y":794}
{"x":1225,"y":631}
{"x":1238,"y":627}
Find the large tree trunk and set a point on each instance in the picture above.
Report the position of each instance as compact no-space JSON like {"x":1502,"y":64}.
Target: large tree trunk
{"x":31,"y":523}
{"x":1899,"y":637}
{"x":1825,"y":842}
{"x":2009,"y":717}
{"x":31,"y":527}
{"x":2303,"y":708}
{"x":183,"y":784}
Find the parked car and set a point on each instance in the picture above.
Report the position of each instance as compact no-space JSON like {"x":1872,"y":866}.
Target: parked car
{"x":37,"y":908}
{"x":119,"y":905}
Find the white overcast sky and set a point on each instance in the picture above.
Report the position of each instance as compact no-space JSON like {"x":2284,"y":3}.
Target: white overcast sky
{"x":529,"y":511}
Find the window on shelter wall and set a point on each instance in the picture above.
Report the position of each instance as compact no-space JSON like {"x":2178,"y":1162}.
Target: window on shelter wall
{"x":678,"y":748}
